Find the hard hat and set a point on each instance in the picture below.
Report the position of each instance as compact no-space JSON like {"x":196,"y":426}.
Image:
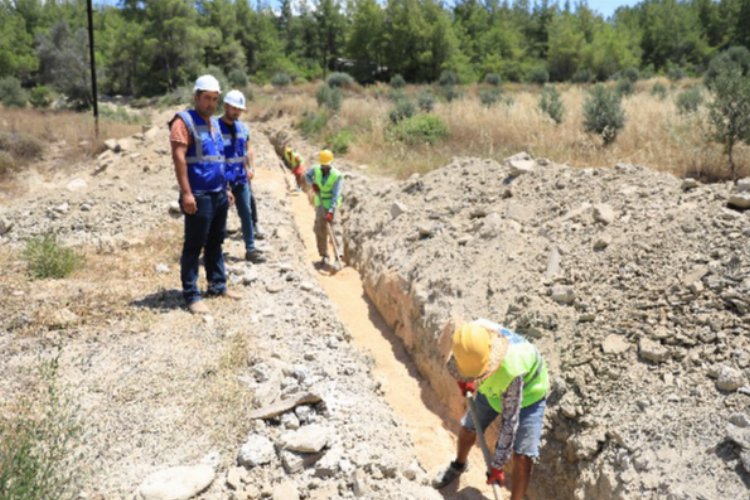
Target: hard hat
{"x":471,"y":349}
{"x":207,"y":83}
{"x":326,"y":157}
{"x":287,"y":149}
{"x":236,"y":99}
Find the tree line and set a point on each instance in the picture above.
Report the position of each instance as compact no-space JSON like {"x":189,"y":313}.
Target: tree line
{"x":149,"y":47}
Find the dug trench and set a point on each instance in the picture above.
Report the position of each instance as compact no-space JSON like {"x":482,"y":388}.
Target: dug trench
{"x":633,"y":284}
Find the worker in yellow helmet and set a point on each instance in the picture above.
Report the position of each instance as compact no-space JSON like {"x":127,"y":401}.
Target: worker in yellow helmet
{"x":511,"y":380}
{"x":326,"y":182}
{"x":293,"y":161}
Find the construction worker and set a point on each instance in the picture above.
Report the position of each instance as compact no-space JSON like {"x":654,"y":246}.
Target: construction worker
{"x":240,"y":168}
{"x":510,"y":379}
{"x":199,"y":163}
{"x":293,"y":161}
{"x":326,"y":182}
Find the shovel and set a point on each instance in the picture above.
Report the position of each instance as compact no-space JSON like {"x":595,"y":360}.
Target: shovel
{"x":480,"y":438}
{"x":332,"y":237}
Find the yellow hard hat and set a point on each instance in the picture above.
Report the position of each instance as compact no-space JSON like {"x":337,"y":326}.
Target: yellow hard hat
{"x":326,"y":157}
{"x":471,"y":349}
{"x":287,"y":148}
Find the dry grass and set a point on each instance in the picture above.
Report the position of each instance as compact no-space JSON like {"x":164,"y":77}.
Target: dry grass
{"x":655,"y":134}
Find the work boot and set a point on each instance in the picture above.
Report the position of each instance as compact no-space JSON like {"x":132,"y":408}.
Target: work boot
{"x":198,"y":307}
{"x":229,"y":294}
{"x":255,"y":256}
{"x":323,"y":262}
{"x":448,"y":475}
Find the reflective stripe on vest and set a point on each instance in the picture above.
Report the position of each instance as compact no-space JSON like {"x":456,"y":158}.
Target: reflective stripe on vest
{"x":326,"y":190}
{"x":522,"y":360}
{"x":205,"y":154}
{"x":235,"y":150}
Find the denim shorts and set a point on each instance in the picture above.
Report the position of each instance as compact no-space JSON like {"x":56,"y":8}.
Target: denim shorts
{"x":530,"y":423}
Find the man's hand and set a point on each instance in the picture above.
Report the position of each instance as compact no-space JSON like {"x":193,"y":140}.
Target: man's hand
{"x":189,"y":206}
{"x":316,"y":188}
{"x":496,"y":476}
{"x":250,"y":174}
{"x":329,"y":217}
{"x":467,"y":387}
{"x":230,"y":195}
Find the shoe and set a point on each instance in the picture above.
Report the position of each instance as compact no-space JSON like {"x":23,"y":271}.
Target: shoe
{"x":323,"y":262}
{"x":229,"y":294}
{"x":448,"y":475}
{"x":255,"y":256}
{"x":198,"y":307}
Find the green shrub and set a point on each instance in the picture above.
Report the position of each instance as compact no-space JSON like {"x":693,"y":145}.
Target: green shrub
{"x":11,"y":92}
{"x":624,"y":87}
{"x":489,"y":97}
{"x":731,"y":60}
{"x":7,"y":164}
{"x":396,"y":95}
{"x":340,"y":80}
{"x":312,"y":123}
{"x":280,"y":80}
{"x":450,"y":93}
{"x":675,"y":73}
{"x":551,"y":104}
{"x":493,"y":79}
{"x":38,"y":434}
{"x":339,"y":142}
{"x":448,"y":78}
{"x":602,"y":114}
{"x":181,"y":96}
{"x":397,"y":81}
{"x":41,"y":96}
{"x":426,"y":101}
{"x":46,"y":258}
{"x":631,"y":74}
{"x":583,"y":75}
{"x":688,"y":101}
{"x":237,"y":78}
{"x":659,"y":91}
{"x":539,"y":75}
{"x":120,"y":114}
{"x":401,"y":110}
{"x":328,"y":96}
{"x":22,"y":146}
{"x":419,"y":129}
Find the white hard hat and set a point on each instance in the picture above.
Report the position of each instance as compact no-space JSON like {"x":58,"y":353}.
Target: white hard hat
{"x":235,"y":98}
{"x":207,"y":83}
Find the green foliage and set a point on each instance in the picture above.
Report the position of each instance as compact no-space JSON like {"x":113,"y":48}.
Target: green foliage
{"x":403,"y":109}
{"x":419,"y":129}
{"x":181,"y":96}
{"x":122,"y":115}
{"x":450,"y":93}
{"x":448,"y":78}
{"x":340,"y":80}
{"x":64,"y":64}
{"x":602,"y":114}
{"x":237,"y":78}
{"x":624,"y":87}
{"x":659,"y":91}
{"x":312,"y":124}
{"x":38,"y":433}
{"x":489,"y":97}
{"x":46,"y":258}
{"x":551,"y":104}
{"x":11,"y":92}
{"x":340,"y":141}
{"x":631,"y":74}
{"x":17,"y":57}
{"x":397,"y":81}
{"x":280,"y":80}
{"x":426,"y":101}
{"x":23,"y":147}
{"x":734,"y":59}
{"x":583,"y":75}
{"x":539,"y":75}
{"x":493,"y":79}
{"x":329,"y":97}
{"x":688,"y":101}
{"x":676,"y":73}
{"x":41,"y":96}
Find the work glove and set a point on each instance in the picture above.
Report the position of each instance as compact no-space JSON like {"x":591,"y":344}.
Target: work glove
{"x":329,"y":217}
{"x":467,"y":387}
{"x":496,"y":476}
{"x":316,"y":188}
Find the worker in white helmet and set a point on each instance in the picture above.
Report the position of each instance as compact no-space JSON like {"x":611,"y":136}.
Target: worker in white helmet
{"x":240,"y":168}
{"x":200,"y":168}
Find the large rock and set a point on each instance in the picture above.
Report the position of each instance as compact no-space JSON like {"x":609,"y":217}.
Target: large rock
{"x":743,"y":185}
{"x":257,"y":450}
{"x":729,"y":379}
{"x":112,"y":145}
{"x":176,"y":483}
{"x":739,"y":200}
{"x":563,"y":294}
{"x":520,"y":167}
{"x":308,"y":439}
{"x":652,"y":351}
{"x":604,"y":213}
{"x":615,"y":344}
{"x":398,"y":208}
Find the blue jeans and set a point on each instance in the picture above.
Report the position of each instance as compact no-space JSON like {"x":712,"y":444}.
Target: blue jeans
{"x":243,"y":199}
{"x":205,"y":230}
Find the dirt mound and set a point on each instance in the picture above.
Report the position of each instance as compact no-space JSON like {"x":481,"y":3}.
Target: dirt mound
{"x":633,"y":283}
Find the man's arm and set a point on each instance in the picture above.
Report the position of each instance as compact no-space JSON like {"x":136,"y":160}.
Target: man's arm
{"x":249,"y":162}
{"x":309,"y":176}
{"x":336,"y":193}
{"x":187,"y":199}
{"x":509,"y":423}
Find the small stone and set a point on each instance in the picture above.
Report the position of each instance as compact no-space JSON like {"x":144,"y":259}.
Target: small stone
{"x":275,"y":287}
{"x":425,"y":231}
{"x":290,"y":421}
{"x":743,"y":185}
{"x":86,"y":207}
{"x":729,"y":379}
{"x":176,"y":483}
{"x":615,"y":344}
{"x":745,"y":459}
{"x":604,"y":213}
{"x":292,"y":462}
{"x":738,"y":435}
{"x":740,"y":420}
{"x":174,"y":209}
{"x":112,"y":145}
{"x":5,"y":226}
{"x":76,"y":184}
{"x":285,"y":490}
{"x":306,"y":286}
{"x":739,"y":200}
{"x":688,"y":184}
{"x":308,"y":439}
{"x":412,"y":471}
{"x":257,"y":450}
{"x":63,"y":208}
{"x":235,"y":477}
{"x":398,"y":208}
{"x":652,"y":351}
{"x":563,"y":294}
{"x":161,"y":268}
{"x":520,"y":167}
{"x":602,"y":242}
